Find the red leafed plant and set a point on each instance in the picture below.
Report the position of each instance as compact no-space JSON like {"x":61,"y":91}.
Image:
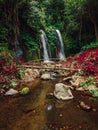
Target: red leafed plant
{"x":87,"y":60}
{"x":8,"y":67}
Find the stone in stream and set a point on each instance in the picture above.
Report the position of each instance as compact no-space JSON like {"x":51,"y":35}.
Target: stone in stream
{"x":11,"y":92}
{"x":84,"y":106}
{"x":63,"y":92}
{"x":46,"y":76}
{"x":30,"y":75}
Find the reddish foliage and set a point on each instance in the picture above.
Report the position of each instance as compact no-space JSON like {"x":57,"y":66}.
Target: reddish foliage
{"x":8,"y":67}
{"x":87,"y":60}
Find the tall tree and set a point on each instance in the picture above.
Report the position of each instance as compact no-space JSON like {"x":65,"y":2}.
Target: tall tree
{"x":92,"y":13}
{"x":74,"y":11}
{"x":10,"y":16}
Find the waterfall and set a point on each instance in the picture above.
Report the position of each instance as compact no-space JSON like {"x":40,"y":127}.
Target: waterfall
{"x":45,"y":47}
{"x":18,"y":51}
{"x":60,"y":45}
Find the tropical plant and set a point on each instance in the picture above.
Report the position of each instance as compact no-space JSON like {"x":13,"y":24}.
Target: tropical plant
{"x":29,"y":41}
{"x":91,"y":45}
{"x":87,"y":82}
{"x":33,"y":15}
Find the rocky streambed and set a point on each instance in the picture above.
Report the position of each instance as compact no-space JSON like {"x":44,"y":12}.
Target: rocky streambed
{"x":39,"y":110}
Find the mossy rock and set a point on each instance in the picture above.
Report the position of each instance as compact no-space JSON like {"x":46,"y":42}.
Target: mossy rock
{"x":25,"y":91}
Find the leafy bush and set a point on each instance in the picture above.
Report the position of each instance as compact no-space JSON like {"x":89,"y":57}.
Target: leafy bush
{"x":3,"y":34}
{"x":31,"y":46}
{"x":13,"y":83}
{"x":91,"y":45}
{"x":6,"y":59}
{"x":71,"y":45}
{"x":87,"y":82}
{"x":94,"y":92}
{"x":29,"y":41}
{"x":33,"y":15}
{"x":50,"y":30}
{"x":5,"y":53}
{"x":20,"y":72}
{"x":87,"y":61}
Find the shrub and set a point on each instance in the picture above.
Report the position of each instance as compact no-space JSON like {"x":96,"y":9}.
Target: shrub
{"x":91,"y":45}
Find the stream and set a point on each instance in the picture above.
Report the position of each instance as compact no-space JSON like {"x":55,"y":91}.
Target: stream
{"x":39,"y":111}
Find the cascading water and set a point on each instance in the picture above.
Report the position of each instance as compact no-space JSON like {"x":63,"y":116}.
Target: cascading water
{"x":60,"y":46}
{"x":18,"y":51}
{"x":45,"y":46}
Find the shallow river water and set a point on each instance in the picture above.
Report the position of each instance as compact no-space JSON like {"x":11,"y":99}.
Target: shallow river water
{"x":37,"y":111}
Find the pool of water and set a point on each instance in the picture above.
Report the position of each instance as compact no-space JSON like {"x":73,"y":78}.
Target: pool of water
{"x":37,"y":111}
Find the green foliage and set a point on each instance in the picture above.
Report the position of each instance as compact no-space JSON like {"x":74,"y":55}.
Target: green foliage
{"x":71,"y":45}
{"x":81,"y":73}
{"x":50,"y":31}
{"x":4,"y":47}
{"x":91,"y":45}
{"x":54,"y":11}
{"x":31,"y":45}
{"x":3,"y":33}
{"x":13,"y":83}
{"x":20,"y":72}
{"x":33,"y":15}
{"x":72,"y":17}
{"x":29,"y":41}
{"x":94,"y":92}
{"x":25,"y":91}
{"x":89,"y":81}
{"x":89,"y":84}
{"x":6,"y":54}
{"x":73,"y":9}
{"x":1,"y":86}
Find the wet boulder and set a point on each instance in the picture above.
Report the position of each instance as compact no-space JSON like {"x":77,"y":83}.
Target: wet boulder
{"x":46,"y":76}
{"x":63,"y":92}
{"x":30,"y":75}
{"x":25,"y":91}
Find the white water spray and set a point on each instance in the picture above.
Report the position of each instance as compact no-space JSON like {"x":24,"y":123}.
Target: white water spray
{"x":46,"y":48}
{"x":60,"y":45}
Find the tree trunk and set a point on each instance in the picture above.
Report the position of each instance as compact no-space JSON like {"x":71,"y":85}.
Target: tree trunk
{"x":80,"y":29}
{"x":93,"y":20}
{"x":96,"y":30}
{"x":12,"y":20}
{"x":12,"y":23}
